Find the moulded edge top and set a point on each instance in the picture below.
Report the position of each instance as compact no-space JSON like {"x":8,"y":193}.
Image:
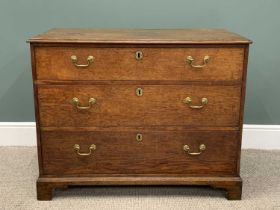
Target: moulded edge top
{"x":139,"y":36}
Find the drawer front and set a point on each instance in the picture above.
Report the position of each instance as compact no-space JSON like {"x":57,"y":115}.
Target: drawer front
{"x":119,"y":105}
{"x":55,"y":63}
{"x":161,"y":152}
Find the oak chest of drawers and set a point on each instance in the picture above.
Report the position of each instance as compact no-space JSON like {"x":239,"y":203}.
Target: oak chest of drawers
{"x":139,"y":107}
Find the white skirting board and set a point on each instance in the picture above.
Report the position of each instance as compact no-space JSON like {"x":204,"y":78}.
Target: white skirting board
{"x":254,"y":136}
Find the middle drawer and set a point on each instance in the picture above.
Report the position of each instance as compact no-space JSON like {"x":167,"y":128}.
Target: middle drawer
{"x":143,"y":105}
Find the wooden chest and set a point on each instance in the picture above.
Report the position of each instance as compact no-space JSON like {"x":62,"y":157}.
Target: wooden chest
{"x":139,"y":107}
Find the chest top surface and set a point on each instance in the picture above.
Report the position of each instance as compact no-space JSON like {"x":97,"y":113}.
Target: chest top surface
{"x":140,"y":36}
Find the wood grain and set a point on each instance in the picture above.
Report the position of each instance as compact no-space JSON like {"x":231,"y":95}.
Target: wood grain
{"x":157,"y":153}
{"x":242,"y":104}
{"x":140,"y":36}
{"x":143,"y":128}
{"x":54,"y":63}
{"x":232,"y":185}
{"x":118,"y":105}
{"x":36,"y":107}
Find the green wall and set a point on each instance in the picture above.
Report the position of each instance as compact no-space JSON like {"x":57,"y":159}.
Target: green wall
{"x":259,"y":20}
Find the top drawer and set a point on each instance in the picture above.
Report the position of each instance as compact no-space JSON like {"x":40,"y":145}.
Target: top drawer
{"x":100,"y":63}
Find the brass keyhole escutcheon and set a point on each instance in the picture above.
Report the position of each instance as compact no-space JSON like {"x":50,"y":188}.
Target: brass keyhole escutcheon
{"x":139,"y":55}
{"x":139,"y":92}
{"x":139,"y":137}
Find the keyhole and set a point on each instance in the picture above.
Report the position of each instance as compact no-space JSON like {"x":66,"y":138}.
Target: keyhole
{"x":139,"y":92}
{"x":139,"y":137}
{"x":138,"y":55}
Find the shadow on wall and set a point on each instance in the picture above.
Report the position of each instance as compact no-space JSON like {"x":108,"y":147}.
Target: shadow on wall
{"x":259,"y":107}
{"x":262,"y":87}
{"x":17,"y":98}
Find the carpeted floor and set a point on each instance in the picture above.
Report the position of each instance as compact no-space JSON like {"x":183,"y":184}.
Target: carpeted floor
{"x":260,"y":171}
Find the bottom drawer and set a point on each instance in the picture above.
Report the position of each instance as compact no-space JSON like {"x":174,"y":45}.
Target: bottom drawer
{"x":201,"y":153}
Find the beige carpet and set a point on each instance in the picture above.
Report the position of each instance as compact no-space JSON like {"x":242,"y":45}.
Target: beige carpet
{"x":260,"y":171}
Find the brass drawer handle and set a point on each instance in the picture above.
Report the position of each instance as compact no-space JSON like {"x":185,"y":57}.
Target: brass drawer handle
{"x":76,"y":103}
{"x":188,"y":101}
{"x":190,"y":60}
{"x":202,"y":147}
{"x":74,"y":60}
{"x":77,"y":149}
